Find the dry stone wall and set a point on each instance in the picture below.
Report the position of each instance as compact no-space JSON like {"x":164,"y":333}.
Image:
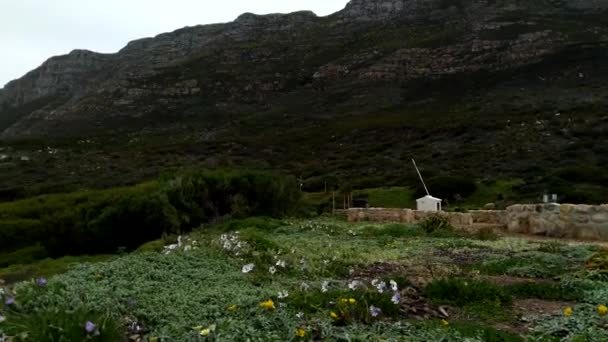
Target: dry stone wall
{"x":575,"y":221}
{"x":402,"y":216}
{"x":559,"y":220}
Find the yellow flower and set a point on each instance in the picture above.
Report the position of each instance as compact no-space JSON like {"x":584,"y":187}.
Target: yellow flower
{"x":268,"y":305}
{"x":445,"y":323}
{"x":333,"y":315}
{"x":352,"y":300}
{"x":300,"y":332}
{"x":205,"y":332}
{"x":568,"y":311}
{"x":232,"y":308}
{"x":344,"y":301}
{"x":602,"y":310}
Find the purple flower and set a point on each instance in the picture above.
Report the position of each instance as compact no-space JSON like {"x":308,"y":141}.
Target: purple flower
{"x":90,"y":327}
{"x":42,"y":281}
{"x":396,"y":298}
{"x":10,"y":300}
{"x":374,"y":311}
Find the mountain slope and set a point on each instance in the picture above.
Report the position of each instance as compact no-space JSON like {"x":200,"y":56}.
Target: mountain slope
{"x":483,"y":88}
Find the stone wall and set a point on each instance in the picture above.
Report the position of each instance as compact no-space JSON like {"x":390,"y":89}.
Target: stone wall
{"x":490,"y":217}
{"x":559,"y":220}
{"x":575,"y":221}
{"x":402,"y":216}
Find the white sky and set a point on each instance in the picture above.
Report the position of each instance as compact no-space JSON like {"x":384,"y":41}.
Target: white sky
{"x":31,"y":31}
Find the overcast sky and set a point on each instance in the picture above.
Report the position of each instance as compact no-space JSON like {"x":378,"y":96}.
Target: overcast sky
{"x":31,"y":31}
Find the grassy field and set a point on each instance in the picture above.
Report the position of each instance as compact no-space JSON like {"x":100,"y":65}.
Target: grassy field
{"x":322,"y":279}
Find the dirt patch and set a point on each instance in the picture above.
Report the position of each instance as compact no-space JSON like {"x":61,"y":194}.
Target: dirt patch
{"x":539,"y":307}
{"x":378,"y":270}
{"x":471,"y":256}
{"x":509,"y":280}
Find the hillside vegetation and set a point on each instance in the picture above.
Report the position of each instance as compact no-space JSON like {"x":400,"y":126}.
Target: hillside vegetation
{"x":489,"y":91}
{"x":121,"y":219}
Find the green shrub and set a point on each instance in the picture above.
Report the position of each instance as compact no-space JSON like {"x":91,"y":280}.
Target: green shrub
{"x":338,"y":302}
{"x":544,"y":290}
{"x":46,"y":267}
{"x":466,"y":291}
{"x":18,"y":233}
{"x":94,"y":222}
{"x":151,"y":246}
{"x":23,"y":256}
{"x":267,"y":224}
{"x":529,"y":264}
{"x":62,"y":325}
{"x":551,"y":247}
{"x":436,"y":223}
{"x":393,"y":230}
{"x":486,"y":234}
{"x":486,"y":333}
{"x":598,"y":261}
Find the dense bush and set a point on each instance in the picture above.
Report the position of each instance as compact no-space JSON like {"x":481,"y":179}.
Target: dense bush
{"x":466,"y":291}
{"x":104,"y":221}
{"x":436,"y":223}
{"x":18,"y":233}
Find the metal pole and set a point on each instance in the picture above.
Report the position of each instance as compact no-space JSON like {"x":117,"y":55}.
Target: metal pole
{"x":419,"y":175}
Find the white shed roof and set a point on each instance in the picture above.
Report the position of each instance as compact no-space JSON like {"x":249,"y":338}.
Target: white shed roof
{"x":429,"y":197}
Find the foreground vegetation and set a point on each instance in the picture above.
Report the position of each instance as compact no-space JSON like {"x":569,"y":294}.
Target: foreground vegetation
{"x":297,"y":279}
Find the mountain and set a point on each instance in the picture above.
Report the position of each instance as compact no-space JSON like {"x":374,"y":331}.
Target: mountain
{"x":487,"y":89}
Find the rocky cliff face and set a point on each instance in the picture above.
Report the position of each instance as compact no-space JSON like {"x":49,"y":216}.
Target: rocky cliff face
{"x":241,"y":65}
{"x":490,"y":83}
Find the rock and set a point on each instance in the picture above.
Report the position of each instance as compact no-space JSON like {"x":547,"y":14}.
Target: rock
{"x":258,"y":63}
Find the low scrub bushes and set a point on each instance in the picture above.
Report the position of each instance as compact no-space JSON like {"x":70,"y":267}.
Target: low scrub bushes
{"x":466,"y":291}
{"x":104,"y":221}
{"x":544,"y":290}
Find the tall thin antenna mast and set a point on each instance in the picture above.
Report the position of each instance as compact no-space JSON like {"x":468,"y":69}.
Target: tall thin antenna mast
{"x":419,"y":175}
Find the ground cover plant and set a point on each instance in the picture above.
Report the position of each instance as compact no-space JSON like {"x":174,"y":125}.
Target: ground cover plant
{"x":287,"y":279}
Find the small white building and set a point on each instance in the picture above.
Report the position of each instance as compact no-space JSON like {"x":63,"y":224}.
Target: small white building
{"x":428,"y":203}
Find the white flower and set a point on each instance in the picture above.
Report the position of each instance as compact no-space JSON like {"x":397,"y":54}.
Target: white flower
{"x":396,"y":298}
{"x":375,"y":282}
{"x":283,"y":294}
{"x":272,"y":270}
{"x":300,"y":315}
{"x":374,"y":311}
{"x":324,"y":286}
{"x":282,"y":305}
{"x":304,"y":286}
{"x":353,"y":285}
{"x":248,"y":268}
{"x":351,"y":270}
{"x":394,"y":285}
{"x":187,"y":248}
{"x":381,"y":286}
{"x":281,"y":263}
{"x":2,"y":318}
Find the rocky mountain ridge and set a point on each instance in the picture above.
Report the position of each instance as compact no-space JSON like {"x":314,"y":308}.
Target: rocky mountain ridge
{"x":477,"y":87}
